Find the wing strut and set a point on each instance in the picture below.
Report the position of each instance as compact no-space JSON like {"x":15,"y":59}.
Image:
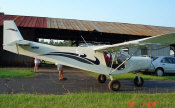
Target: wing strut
{"x":113,"y":60}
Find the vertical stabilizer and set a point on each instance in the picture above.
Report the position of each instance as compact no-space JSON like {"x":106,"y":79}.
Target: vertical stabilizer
{"x":10,"y":35}
{"x":11,"y":32}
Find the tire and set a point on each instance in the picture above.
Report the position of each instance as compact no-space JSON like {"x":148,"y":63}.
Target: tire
{"x":137,"y":83}
{"x":114,"y":85}
{"x":101,"y":78}
{"x":159,"y":72}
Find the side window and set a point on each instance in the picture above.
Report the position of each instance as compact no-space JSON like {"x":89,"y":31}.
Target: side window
{"x":173,"y":60}
{"x":165,"y":60}
{"x":168,"y":60}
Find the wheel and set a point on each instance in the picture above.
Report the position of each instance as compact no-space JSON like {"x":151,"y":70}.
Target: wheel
{"x":159,"y":72}
{"x":114,"y":85}
{"x":101,"y":78}
{"x":137,"y":83}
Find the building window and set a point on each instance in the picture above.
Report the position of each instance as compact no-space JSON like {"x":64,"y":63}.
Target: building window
{"x":144,"y":51}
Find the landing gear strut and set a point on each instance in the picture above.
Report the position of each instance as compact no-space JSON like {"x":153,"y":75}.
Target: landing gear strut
{"x":101,"y":78}
{"x":138,"y":81}
{"x":114,"y":85}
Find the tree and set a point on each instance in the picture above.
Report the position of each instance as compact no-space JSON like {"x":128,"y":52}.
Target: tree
{"x":51,"y":42}
{"x":61,"y":43}
{"x":42,"y":41}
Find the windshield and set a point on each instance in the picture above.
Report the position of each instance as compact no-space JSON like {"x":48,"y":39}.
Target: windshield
{"x":116,"y":59}
{"x":86,"y":45}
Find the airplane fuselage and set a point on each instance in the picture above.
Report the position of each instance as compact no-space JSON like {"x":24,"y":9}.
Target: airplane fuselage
{"x":79,"y":57}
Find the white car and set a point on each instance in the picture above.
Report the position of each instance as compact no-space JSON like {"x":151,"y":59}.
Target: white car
{"x":163,"y":64}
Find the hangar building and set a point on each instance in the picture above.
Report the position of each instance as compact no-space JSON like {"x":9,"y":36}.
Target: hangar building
{"x":32,"y":28}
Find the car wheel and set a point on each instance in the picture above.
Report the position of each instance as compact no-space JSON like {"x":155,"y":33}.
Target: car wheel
{"x":159,"y":72}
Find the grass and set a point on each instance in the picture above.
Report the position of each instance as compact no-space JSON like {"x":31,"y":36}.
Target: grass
{"x":48,"y":62}
{"x":85,"y":100}
{"x":88,"y":100}
{"x":15,"y":72}
{"x":131,"y":76}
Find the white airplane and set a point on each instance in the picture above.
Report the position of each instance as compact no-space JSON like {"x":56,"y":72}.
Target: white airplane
{"x":89,"y":58}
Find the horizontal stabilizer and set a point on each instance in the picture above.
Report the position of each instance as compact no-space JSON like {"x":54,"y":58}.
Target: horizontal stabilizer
{"x":18,"y":42}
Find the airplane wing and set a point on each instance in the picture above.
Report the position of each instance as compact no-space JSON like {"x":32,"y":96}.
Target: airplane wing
{"x":165,"y":39}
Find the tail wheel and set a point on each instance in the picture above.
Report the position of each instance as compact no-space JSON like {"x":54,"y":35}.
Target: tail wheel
{"x":137,"y":82}
{"x":114,"y":85}
{"x":159,"y":72}
{"x":101,"y":78}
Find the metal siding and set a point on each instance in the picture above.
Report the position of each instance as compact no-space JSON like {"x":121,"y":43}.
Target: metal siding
{"x":87,"y":26}
{"x":44,"y":22}
{"x":79,"y":23}
{"x":70,"y":25}
{"x":116,"y":28}
{"x":156,"y":51}
{"x":120,"y":28}
{"x":67,"y":24}
{"x":41,"y":22}
{"x":27,"y":22}
{"x":60,"y":24}
{"x":93,"y":26}
{"x":31,"y":22}
{"x":161,"y":51}
{"x":23,"y":22}
{"x":3,"y":18}
{"x":52,"y":23}
{"x":110,"y":27}
{"x":103,"y":27}
{"x":48,"y":22}
{"x":75,"y":26}
{"x":82,"y":25}
{"x":37,"y":23}
{"x":19,"y":20}
{"x":55,"y":23}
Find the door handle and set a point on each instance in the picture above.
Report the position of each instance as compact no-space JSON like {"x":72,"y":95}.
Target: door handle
{"x":163,"y":64}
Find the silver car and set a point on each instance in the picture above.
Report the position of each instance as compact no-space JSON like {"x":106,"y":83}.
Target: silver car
{"x":161,"y":65}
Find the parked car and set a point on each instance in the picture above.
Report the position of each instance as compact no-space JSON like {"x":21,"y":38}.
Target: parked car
{"x":162,"y":65}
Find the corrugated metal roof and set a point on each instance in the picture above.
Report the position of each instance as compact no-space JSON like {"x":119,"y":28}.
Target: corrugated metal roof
{"x":82,"y":25}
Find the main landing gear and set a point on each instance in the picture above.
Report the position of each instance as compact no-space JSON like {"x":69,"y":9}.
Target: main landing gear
{"x":101,"y":78}
{"x":114,"y":85}
{"x":138,"y":81}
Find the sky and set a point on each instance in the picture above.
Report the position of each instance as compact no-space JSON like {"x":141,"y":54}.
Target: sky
{"x":147,"y":12}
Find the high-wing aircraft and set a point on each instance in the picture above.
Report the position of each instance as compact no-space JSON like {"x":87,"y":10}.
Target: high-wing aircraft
{"x":91,"y":58}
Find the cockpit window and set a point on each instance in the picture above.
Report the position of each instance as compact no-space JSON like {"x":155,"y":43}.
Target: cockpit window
{"x":116,"y":59}
{"x":86,"y":45}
